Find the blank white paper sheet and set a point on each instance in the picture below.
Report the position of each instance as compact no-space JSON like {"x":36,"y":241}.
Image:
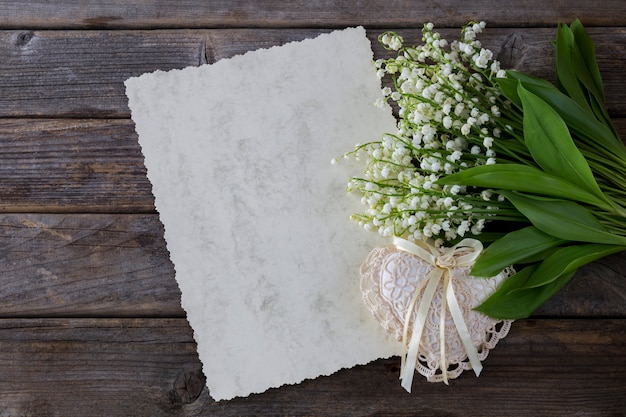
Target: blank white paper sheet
{"x":256,"y":218}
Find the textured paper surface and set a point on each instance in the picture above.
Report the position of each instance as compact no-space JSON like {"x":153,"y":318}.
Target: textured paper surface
{"x":256,"y":218}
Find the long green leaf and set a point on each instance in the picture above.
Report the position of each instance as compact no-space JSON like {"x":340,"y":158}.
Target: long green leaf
{"x":600,"y":111}
{"x":508,"y":87}
{"x":511,"y":249}
{"x":569,"y":259}
{"x":562,"y":219}
{"x":566,"y":70}
{"x":587,"y":83}
{"x":513,"y":79}
{"x":587,"y":67}
{"x":538,"y":257}
{"x":587,"y":52}
{"x":583,"y":124}
{"x":522,"y":178}
{"x":524,"y":292}
{"x":516,"y":281}
{"x":551,"y":145}
{"x":513,"y":301}
{"x":588,"y":73}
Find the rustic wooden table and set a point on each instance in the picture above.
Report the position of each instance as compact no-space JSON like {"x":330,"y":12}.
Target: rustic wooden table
{"x":90,"y":321}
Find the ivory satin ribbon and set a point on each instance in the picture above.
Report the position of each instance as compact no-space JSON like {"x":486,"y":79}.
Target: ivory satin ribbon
{"x":463,"y":254}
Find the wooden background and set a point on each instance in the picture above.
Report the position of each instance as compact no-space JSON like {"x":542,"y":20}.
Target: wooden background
{"x":90,"y":321}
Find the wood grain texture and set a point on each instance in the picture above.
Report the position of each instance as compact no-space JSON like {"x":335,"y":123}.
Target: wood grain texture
{"x":74,"y":73}
{"x":102,"y":265}
{"x":78,"y":166}
{"x":557,"y":374}
{"x":124,"y":367}
{"x":72,"y":166}
{"x":85,"y":266}
{"x":79,"y":367}
{"x":90,"y":320}
{"x":81,"y":73}
{"x":96,"y":166}
{"x":120,"y":14}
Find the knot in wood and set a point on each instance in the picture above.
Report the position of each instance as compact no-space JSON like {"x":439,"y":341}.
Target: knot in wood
{"x":188,"y":387}
{"x":23,"y":38}
{"x":513,"y":51}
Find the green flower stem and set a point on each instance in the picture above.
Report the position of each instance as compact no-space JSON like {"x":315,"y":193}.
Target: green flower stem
{"x":608,"y":218}
{"x":614,"y":171}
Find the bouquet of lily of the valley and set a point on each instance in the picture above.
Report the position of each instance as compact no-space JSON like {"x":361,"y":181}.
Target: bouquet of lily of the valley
{"x":489,"y":170}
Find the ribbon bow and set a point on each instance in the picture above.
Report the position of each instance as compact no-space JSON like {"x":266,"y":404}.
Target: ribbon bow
{"x":463,"y":254}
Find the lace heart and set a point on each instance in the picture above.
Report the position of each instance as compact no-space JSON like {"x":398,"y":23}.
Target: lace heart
{"x":389,"y":280}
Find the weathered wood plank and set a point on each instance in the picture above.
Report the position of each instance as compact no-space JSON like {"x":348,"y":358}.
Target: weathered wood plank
{"x":81,"y":73}
{"x":78,"y":165}
{"x":95,"y":165}
{"x":75,"y":73}
{"x":272,"y":13}
{"x":542,"y":368}
{"x":59,"y":265}
{"x":72,"y":165}
{"x":111,"y":269}
{"x":77,"y":367}
{"x":85,"y":265}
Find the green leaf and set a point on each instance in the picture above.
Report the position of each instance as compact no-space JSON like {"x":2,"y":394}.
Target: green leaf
{"x":517,"y":280}
{"x":513,"y":301}
{"x":522,"y":293}
{"x":551,"y":145}
{"x":585,"y":68}
{"x":562,"y":219}
{"x":522,"y":178}
{"x":566,"y":70}
{"x":582,"y":124}
{"x":513,"y":79}
{"x":539,"y":256}
{"x":588,"y":72}
{"x":600,"y":111}
{"x":514,"y":247}
{"x":508,"y":86}
{"x":587,"y":53}
{"x":568,"y":259}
